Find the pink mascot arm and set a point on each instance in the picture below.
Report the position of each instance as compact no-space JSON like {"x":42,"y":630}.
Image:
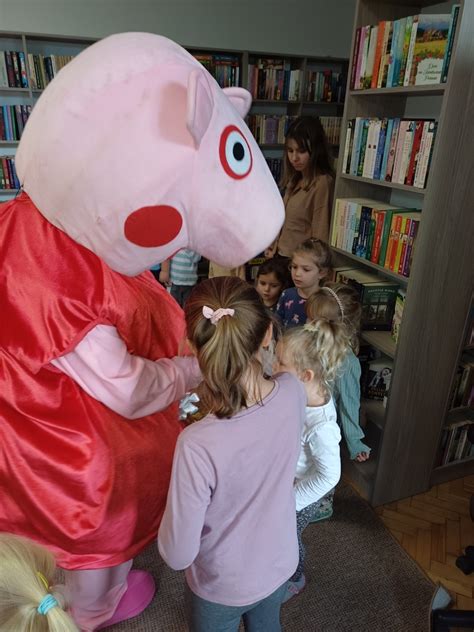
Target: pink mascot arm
{"x":129,"y":385}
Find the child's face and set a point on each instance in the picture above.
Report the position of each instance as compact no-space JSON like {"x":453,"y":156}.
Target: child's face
{"x":305,"y":273}
{"x":269,"y":288}
{"x":297,"y":158}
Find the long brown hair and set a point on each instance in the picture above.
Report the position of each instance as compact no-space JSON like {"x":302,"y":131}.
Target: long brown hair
{"x":323,"y":304}
{"x":227,"y":351}
{"x":309,"y":135}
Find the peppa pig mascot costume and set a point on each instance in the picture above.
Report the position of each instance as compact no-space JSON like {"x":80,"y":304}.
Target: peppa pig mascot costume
{"x":132,"y":153}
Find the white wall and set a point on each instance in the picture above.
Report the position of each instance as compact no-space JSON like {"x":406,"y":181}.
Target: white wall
{"x":307,"y":27}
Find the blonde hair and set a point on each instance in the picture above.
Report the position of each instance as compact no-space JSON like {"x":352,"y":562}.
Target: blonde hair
{"x":320,"y":252}
{"x":25,"y":569}
{"x":320,"y":346}
{"x":228,"y":350}
{"x":323,"y":304}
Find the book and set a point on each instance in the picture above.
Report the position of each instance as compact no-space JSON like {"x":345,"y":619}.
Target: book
{"x":367,"y":78}
{"x":378,"y":54}
{"x":3,"y":72}
{"x":407,"y":80}
{"x":404,"y":125}
{"x":398,"y":314}
{"x":377,"y":298}
{"x":392,"y":148}
{"x":415,"y":150}
{"x":377,"y":378}
{"x":449,"y":47}
{"x":429,"y":48}
{"x":406,"y":45}
{"x":426,"y":150}
{"x":406,"y":149}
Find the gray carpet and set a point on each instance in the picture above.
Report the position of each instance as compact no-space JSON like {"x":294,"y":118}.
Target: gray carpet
{"x":359,"y":579}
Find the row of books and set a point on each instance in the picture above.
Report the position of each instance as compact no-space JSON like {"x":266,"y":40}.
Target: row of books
{"x":381,"y":233}
{"x":13,"y":69}
{"x":413,"y":50}
{"x":12,"y":120}
{"x":274,"y":79}
{"x":332,"y":128}
{"x":276,"y":166}
{"x":455,"y":443}
{"x":41,"y":69}
{"x":224,"y":68}
{"x":325,"y":85}
{"x":462,"y":393}
{"x":377,"y":297}
{"x":395,"y":150}
{"x":269,"y":129}
{"x":8,"y":177}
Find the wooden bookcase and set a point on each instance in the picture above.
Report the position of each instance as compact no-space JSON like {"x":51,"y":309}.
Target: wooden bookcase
{"x":405,"y":435}
{"x":58,"y":45}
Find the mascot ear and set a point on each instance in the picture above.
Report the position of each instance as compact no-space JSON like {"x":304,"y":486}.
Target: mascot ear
{"x":240,"y":98}
{"x":199,"y":106}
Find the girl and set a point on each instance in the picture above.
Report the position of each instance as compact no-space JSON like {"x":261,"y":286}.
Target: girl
{"x":272,"y":278}
{"x":229,"y":519}
{"x":27,"y":600}
{"x":314,"y":353}
{"x":310,"y":264}
{"x":308,"y":180}
{"x":340,"y":303}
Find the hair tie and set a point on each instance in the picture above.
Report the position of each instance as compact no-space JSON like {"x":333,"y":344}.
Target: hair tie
{"x":215,"y":316}
{"x":42,"y":579}
{"x":47,"y":603}
{"x":338,"y":300}
{"x":312,"y":327}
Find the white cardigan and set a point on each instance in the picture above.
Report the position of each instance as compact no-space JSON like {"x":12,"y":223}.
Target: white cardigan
{"x":319,"y":463}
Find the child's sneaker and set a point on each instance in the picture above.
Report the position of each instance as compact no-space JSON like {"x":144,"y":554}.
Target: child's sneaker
{"x":294,"y":588}
{"x":323,"y":515}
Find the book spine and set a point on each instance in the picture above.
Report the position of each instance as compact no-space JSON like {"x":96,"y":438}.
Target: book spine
{"x":355,"y":146}
{"x":367,"y":79}
{"x":363,"y":146}
{"x":380,"y":149}
{"x":449,"y":47}
{"x":406,"y":46}
{"x":378,"y":54}
{"x":410,"y":247}
{"x":393,"y":48}
{"x":16,"y":68}
{"x":398,"y":150}
{"x":23,"y":75}
{"x":375,"y":253}
{"x":368,"y":149}
{"x":406,"y":152}
{"x":387,"y":222}
{"x":398,"y":253}
{"x":397,"y":222}
{"x":347,"y":146}
{"x":371,"y":233}
{"x":392,"y":148}
{"x":355,"y":239}
{"x":407,"y":80}
{"x":404,"y":239}
{"x":424,"y":159}
{"x":3,"y":71}
{"x":10,"y":71}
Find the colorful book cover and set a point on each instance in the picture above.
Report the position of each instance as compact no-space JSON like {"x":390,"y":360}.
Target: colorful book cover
{"x":378,"y":54}
{"x":378,"y":379}
{"x":430,"y":47}
{"x":392,"y":148}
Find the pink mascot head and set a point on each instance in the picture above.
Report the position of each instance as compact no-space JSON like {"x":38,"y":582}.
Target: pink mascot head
{"x":135,"y":152}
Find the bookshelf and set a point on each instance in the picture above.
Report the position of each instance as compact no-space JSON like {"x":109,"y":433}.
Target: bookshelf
{"x":406,"y":434}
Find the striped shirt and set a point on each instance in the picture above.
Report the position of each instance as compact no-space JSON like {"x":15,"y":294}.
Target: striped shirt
{"x":183,"y":268}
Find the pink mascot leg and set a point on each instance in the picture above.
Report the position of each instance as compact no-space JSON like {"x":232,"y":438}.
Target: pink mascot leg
{"x":101,"y":597}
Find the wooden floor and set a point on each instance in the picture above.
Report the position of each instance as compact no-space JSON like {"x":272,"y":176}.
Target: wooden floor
{"x":434,"y":528}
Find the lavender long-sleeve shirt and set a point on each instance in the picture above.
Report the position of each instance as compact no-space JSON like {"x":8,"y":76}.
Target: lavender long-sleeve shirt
{"x":230,"y":518}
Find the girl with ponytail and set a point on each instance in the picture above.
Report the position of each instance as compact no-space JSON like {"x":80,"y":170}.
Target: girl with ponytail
{"x":230,"y":515}
{"x":314,"y":353}
{"x":27,"y":599}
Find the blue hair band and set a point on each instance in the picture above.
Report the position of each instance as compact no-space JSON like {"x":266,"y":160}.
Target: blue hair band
{"x":47,"y":603}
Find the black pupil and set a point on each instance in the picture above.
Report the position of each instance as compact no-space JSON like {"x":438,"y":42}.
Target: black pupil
{"x":238,"y":151}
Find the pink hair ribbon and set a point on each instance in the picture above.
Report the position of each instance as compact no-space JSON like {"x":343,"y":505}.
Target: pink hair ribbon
{"x":215,"y":316}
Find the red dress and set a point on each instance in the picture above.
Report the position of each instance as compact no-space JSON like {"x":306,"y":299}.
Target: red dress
{"x":74,"y":475}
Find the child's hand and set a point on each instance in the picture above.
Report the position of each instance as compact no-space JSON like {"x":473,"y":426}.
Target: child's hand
{"x":362,"y":456}
{"x":165,"y":277}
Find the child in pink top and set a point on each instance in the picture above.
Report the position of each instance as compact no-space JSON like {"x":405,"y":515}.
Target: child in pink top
{"x":230,"y":515}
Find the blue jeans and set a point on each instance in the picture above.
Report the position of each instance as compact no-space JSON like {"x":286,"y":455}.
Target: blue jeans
{"x":206,"y":616}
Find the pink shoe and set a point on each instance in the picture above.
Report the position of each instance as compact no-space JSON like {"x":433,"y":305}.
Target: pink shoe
{"x":139,"y":594}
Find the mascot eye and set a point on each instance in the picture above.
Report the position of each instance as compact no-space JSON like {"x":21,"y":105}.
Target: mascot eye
{"x":234,"y":152}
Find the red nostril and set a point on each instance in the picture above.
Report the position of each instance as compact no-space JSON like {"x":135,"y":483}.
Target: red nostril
{"x":152,"y":226}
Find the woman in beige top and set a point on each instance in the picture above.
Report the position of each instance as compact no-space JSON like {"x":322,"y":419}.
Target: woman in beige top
{"x":308,"y":180}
